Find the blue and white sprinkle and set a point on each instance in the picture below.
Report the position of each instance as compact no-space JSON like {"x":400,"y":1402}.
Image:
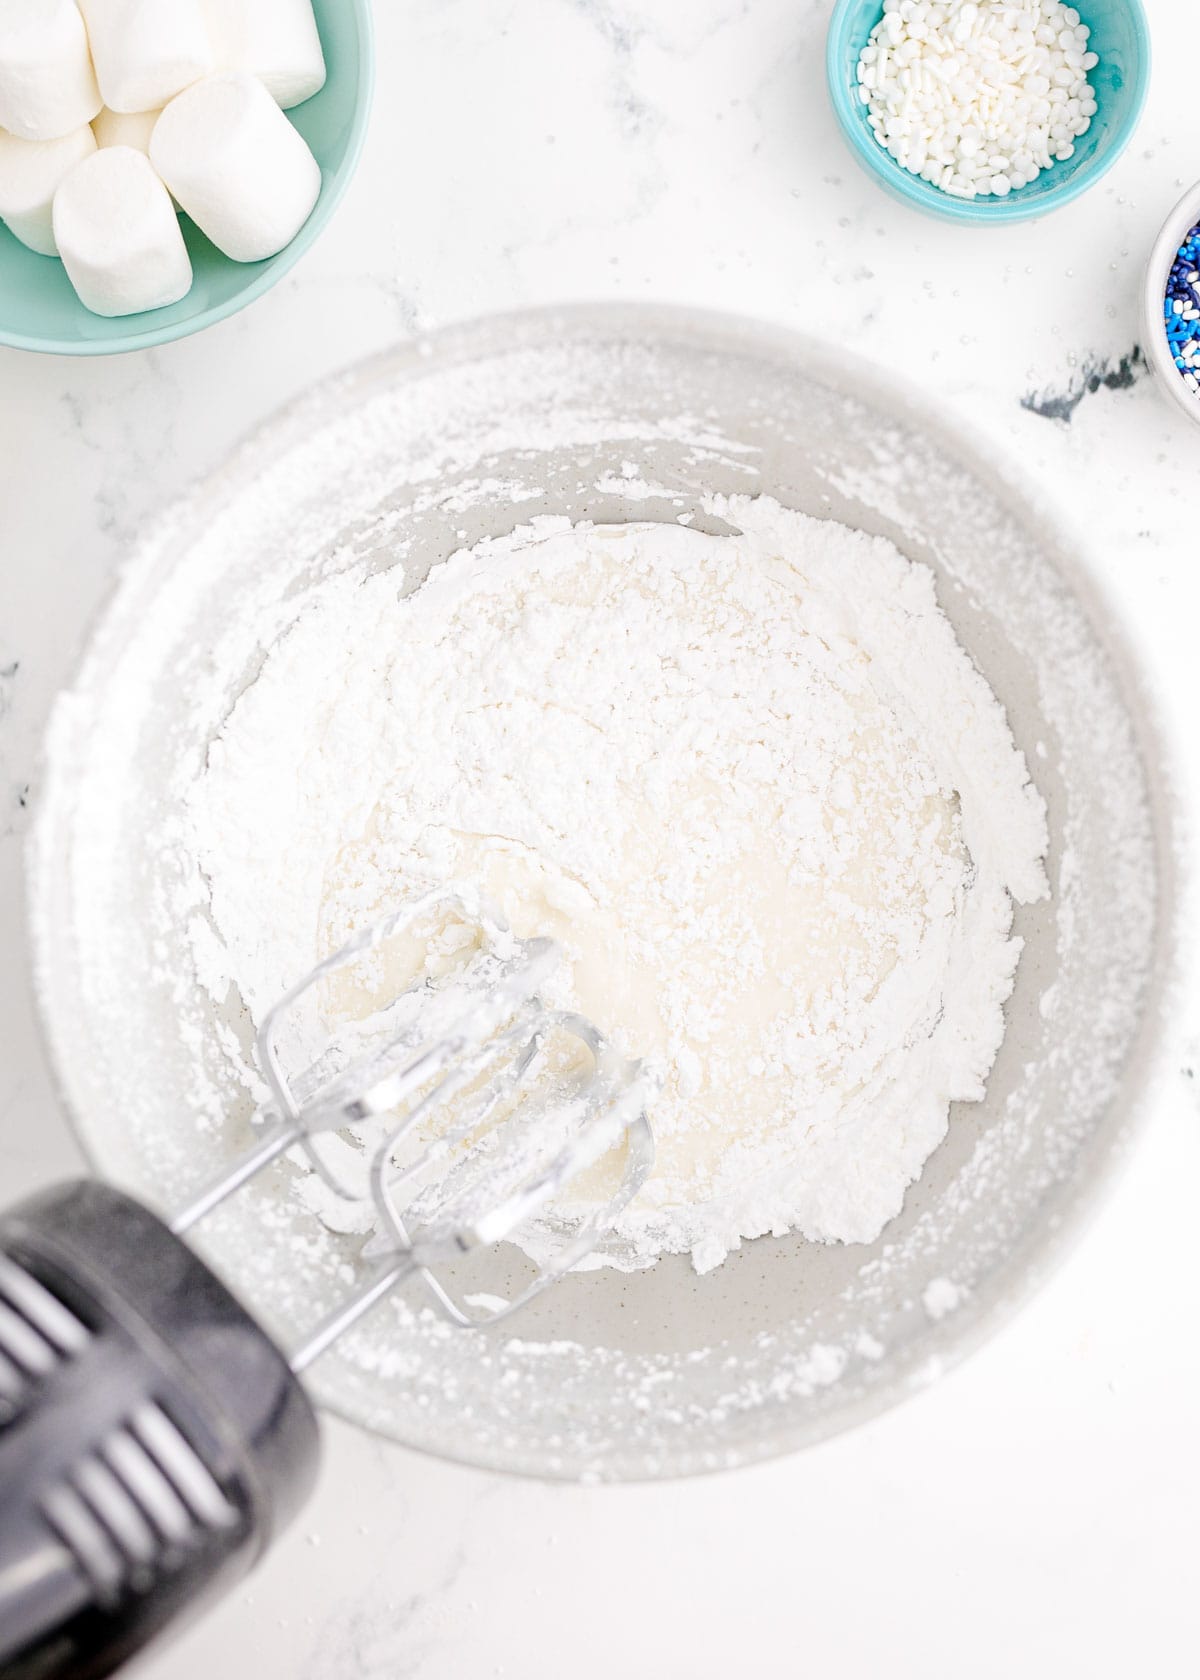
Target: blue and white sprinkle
{"x":1181,"y":310}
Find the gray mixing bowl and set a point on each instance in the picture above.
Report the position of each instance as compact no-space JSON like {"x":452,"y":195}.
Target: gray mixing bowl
{"x":608,"y":413}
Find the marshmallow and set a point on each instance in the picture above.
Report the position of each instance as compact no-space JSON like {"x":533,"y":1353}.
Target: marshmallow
{"x":30,"y":173}
{"x":125,"y":128}
{"x":146,"y":51}
{"x":237,"y":166}
{"x":118,"y":235}
{"x":47,"y":88}
{"x":275,"y":40}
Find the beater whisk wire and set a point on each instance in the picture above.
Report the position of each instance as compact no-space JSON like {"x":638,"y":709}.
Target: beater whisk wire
{"x":459,"y":1052}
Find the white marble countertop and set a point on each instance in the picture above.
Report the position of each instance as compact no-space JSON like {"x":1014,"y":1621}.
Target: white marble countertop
{"x":1036,"y":1511}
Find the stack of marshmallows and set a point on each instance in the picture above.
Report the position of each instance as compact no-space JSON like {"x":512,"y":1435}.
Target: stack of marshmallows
{"x":110,"y":107}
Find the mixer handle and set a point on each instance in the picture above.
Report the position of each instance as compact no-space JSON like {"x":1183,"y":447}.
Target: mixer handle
{"x":153,"y":1440}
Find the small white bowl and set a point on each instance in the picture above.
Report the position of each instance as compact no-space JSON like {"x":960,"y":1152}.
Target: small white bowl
{"x":1184,"y":217}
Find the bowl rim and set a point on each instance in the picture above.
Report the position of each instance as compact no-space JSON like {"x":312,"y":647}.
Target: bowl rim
{"x":1183,"y":217}
{"x":910,"y":189}
{"x":272,"y":271}
{"x":960,"y":1334}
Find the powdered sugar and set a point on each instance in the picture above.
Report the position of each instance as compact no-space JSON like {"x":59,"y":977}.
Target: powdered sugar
{"x":941,"y":1296}
{"x":397,"y":465}
{"x":750,"y":782}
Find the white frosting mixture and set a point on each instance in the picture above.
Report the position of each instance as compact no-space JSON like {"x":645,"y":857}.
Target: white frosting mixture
{"x":751,"y":783}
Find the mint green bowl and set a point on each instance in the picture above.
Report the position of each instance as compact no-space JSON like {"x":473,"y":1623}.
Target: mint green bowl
{"x":1121,"y":40}
{"x":39,"y":309}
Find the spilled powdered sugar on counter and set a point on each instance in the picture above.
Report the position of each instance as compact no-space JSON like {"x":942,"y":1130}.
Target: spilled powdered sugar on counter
{"x":750,"y":782}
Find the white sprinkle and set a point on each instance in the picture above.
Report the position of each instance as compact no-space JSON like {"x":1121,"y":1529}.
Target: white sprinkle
{"x":977,"y":96}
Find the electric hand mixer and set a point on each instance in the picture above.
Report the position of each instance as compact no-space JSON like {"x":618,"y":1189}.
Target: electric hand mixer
{"x":153,"y":1439}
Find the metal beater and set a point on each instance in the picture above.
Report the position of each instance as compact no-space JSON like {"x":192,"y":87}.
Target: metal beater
{"x":153,"y":1438}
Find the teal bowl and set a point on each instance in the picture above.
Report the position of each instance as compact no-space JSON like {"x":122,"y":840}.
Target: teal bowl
{"x":38,"y":307}
{"x":1121,"y":41}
